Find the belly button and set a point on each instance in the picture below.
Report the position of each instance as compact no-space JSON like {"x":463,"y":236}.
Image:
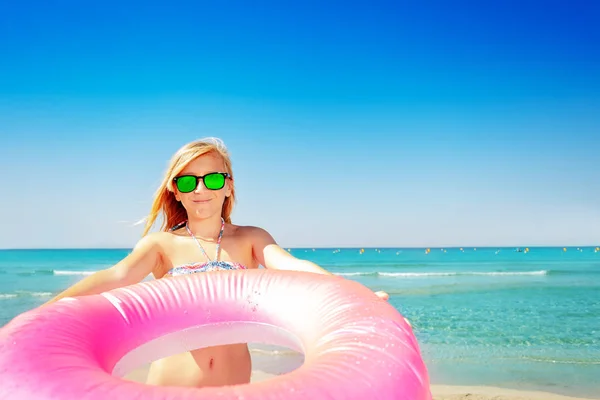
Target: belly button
{"x":211,"y":362}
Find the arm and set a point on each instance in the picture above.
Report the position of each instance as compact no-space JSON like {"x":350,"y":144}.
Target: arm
{"x":144,"y":258}
{"x":268,"y":254}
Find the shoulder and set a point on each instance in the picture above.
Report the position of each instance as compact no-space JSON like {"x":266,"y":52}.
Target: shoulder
{"x":153,"y":241}
{"x":254,"y":234}
{"x":265,"y":250}
{"x":152,"y":249}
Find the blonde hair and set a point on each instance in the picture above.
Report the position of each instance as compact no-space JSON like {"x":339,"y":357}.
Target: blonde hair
{"x":164,"y":199}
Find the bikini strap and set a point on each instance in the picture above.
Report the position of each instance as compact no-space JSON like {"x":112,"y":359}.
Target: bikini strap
{"x":218,"y":249}
{"x":178,"y":226}
{"x":218,"y":240}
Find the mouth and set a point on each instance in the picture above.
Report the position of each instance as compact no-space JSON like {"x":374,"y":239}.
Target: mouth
{"x":201,"y":201}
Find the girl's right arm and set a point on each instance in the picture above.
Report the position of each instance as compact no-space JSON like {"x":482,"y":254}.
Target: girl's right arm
{"x":144,"y":259}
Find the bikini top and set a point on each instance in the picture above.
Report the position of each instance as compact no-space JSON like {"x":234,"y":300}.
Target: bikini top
{"x":210,"y":265}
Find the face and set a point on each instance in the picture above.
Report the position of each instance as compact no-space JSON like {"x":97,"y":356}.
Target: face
{"x":203,"y":202}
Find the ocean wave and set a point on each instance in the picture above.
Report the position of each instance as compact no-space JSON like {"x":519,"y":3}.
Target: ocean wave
{"x":24,"y":294}
{"x":442,"y":274}
{"x":554,"y":361}
{"x":466,"y":273}
{"x":357,"y":273}
{"x":385,"y":274}
{"x":47,"y":272}
{"x":59,"y":272}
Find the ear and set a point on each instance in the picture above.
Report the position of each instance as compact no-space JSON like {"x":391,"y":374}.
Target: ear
{"x":228,"y":187}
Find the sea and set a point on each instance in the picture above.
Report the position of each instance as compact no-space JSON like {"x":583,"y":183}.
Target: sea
{"x":522,"y":318}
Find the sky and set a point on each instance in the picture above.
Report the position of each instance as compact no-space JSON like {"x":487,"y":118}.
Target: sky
{"x":350,"y":124}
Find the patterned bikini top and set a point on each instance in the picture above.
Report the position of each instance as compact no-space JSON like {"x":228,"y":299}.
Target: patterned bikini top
{"x":210,"y":265}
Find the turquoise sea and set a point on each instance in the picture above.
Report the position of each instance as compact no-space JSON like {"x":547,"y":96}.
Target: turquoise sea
{"x":484,"y":316}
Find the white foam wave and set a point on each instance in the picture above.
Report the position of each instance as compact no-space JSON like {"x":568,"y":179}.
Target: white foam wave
{"x":436,"y":274}
{"x":59,"y":272}
{"x":354,"y":273}
{"x":552,"y":361}
{"x":442,"y":274}
{"x":24,"y":294}
{"x":541,"y":272}
{"x":40,"y":294}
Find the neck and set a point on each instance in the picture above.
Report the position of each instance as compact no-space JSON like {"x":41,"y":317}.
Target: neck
{"x":205,"y":228}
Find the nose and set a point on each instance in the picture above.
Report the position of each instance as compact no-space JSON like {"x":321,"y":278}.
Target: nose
{"x":200,"y":187}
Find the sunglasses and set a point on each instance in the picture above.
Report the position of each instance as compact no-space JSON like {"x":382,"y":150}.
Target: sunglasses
{"x":212,"y":181}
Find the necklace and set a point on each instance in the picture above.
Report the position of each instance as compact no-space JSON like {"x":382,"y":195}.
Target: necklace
{"x":218,"y":240}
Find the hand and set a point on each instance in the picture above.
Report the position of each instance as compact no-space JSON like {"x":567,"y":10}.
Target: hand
{"x":382,"y":295}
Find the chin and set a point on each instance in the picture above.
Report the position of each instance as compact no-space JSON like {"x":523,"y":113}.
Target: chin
{"x":202,"y":212}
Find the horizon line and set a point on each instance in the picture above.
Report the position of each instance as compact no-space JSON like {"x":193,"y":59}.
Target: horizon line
{"x":337,"y":247}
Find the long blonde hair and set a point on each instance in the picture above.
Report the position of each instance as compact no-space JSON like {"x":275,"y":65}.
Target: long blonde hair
{"x":164,"y":199}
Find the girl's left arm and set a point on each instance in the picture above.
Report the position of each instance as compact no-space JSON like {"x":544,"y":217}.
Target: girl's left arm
{"x":270,"y":255}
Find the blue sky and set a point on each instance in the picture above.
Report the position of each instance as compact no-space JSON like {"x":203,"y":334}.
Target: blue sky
{"x":376,"y":124}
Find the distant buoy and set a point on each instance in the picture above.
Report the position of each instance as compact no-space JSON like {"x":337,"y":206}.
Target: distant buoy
{"x":564,"y":249}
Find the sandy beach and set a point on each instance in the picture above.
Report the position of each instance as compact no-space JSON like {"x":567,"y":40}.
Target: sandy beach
{"x":440,"y":392}
{"x":447,"y":392}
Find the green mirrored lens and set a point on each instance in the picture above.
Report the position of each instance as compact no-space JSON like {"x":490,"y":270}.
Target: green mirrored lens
{"x":214,"y":181}
{"x":186,"y":184}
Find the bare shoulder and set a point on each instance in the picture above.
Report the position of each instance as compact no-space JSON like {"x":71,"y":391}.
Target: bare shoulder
{"x":146,"y":257}
{"x":254,"y":234}
{"x":153,"y":247}
{"x":153,"y":240}
{"x":265,"y":250}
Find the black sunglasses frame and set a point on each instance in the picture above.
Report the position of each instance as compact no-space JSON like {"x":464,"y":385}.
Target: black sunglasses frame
{"x":203,"y":177}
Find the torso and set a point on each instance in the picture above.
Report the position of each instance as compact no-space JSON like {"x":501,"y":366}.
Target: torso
{"x":211,"y":366}
{"x":179,"y":250}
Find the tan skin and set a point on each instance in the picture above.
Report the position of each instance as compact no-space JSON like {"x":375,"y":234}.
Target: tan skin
{"x":158,"y":252}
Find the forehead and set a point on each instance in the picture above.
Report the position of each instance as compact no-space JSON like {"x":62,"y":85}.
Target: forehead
{"x":210,"y":162}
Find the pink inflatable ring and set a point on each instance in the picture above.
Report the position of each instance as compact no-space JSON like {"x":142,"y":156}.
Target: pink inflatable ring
{"x":355,"y":345}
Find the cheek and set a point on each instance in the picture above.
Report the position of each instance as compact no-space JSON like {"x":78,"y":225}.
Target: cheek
{"x":182,"y":198}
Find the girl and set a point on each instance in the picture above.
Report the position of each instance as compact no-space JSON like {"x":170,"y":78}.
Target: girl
{"x":196,"y":199}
